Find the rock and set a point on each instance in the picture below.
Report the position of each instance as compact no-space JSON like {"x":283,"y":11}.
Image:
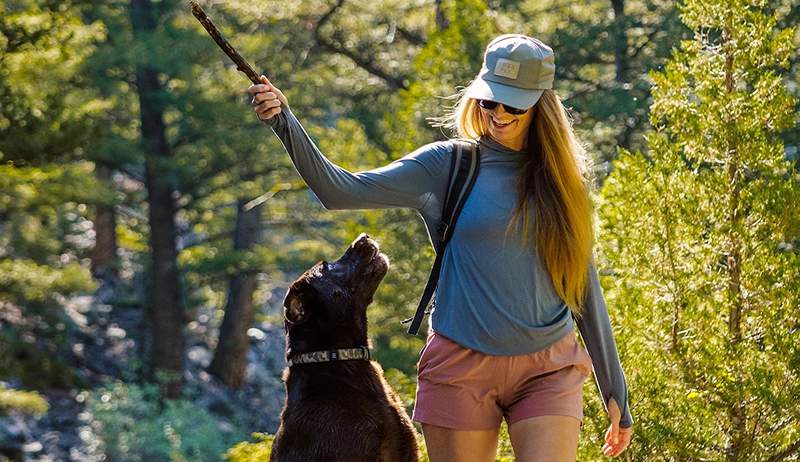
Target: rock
{"x":13,"y":434}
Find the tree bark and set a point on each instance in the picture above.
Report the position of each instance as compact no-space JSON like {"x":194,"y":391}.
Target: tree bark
{"x":442,"y":22}
{"x":737,"y":413}
{"x":166,"y":310}
{"x":621,"y":61}
{"x":230,"y":358}
{"x":620,"y":41}
{"x":104,"y":254}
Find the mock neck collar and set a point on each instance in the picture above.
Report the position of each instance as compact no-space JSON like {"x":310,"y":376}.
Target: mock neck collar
{"x":488,"y":142}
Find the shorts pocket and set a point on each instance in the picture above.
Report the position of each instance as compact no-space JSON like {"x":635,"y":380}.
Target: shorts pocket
{"x":424,"y":355}
{"x":585,"y":361}
{"x":437,"y":350}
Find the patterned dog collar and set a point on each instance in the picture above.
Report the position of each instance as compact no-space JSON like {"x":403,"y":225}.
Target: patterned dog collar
{"x":323,"y":356}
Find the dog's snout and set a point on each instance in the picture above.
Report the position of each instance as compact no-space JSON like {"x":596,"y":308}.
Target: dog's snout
{"x":365,"y":245}
{"x":362,"y":240}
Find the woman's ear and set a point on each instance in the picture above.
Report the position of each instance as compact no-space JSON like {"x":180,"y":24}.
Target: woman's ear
{"x":294,"y":309}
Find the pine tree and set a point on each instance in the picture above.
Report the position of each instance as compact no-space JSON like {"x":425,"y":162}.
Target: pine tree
{"x":702,"y":233}
{"x":46,"y":116}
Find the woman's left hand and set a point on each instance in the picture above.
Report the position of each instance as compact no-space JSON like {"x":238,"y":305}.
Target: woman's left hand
{"x":617,"y":439}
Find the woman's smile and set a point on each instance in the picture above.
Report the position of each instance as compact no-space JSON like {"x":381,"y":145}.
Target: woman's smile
{"x":501,"y":125}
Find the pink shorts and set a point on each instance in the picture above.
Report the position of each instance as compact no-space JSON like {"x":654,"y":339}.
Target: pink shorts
{"x":464,"y":389}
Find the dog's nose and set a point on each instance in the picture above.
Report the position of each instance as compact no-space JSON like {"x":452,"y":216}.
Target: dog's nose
{"x":365,"y":246}
{"x":362,"y":240}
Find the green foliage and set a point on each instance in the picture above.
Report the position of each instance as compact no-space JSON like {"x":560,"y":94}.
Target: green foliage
{"x":449,"y":60}
{"x":24,"y":401}
{"x":706,"y":276}
{"x":47,"y":113}
{"x":133,"y":426}
{"x":33,"y":326}
{"x":251,"y":452}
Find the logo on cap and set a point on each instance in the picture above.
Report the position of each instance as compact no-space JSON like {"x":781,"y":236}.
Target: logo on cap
{"x":506,"y":68}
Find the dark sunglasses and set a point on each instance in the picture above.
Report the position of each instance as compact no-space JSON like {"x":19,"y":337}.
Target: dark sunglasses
{"x":490,"y":105}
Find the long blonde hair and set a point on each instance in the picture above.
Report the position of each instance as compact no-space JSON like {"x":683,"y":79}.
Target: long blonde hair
{"x":554,"y":177}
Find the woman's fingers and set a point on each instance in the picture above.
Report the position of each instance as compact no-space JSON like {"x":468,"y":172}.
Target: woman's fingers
{"x":265,"y":111}
{"x":617,"y":439}
{"x":263,"y":107}
{"x":611,"y":449}
{"x":259,"y":88}
{"x":269,"y":114}
{"x":276,"y":90}
{"x":260,"y":97}
{"x":267,"y":99}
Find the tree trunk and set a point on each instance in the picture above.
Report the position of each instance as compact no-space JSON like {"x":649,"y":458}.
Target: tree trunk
{"x":166,"y":311}
{"x":737,"y":413}
{"x":104,"y":254}
{"x":230,"y":357}
{"x":442,"y":22}
{"x":620,"y":40}
{"x":621,"y":62}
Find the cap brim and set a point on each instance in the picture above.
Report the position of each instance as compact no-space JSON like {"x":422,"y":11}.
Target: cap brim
{"x":510,"y":96}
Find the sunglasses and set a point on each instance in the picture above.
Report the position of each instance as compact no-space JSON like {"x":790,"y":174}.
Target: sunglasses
{"x":491,"y":105}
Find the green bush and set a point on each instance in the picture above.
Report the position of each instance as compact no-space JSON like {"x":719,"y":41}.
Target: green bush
{"x":34,"y":328}
{"x":25,"y":401}
{"x":134,"y":426}
{"x":251,"y":452}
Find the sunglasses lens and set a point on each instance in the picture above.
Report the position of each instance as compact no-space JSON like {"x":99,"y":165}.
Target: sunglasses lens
{"x":489,"y":105}
{"x":515,"y":111}
{"x":486,"y":104}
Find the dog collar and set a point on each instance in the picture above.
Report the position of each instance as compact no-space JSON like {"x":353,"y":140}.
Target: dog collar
{"x":323,"y":356}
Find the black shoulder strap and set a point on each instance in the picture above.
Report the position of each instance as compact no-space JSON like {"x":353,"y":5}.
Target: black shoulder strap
{"x":464,"y":167}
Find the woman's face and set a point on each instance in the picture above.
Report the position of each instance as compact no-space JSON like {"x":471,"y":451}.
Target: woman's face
{"x":508,"y":129}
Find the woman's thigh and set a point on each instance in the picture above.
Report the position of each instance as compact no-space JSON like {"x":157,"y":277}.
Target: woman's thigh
{"x":550,"y":438}
{"x":449,"y":445}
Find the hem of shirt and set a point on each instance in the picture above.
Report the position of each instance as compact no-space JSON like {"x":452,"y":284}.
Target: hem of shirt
{"x":567,"y":329}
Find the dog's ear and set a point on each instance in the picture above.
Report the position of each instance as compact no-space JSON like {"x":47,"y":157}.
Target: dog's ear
{"x":295,"y":310}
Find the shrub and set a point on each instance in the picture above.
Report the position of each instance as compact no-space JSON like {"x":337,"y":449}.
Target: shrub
{"x":25,"y":401}
{"x":251,"y":452}
{"x":133,"y":425}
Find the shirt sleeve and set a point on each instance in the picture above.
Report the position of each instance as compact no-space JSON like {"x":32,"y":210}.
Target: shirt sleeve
{"x":595,"y":328}
{"x":407,"y":182}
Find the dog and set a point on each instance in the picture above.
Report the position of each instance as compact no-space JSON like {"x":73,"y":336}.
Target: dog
{"x":338,"y":405}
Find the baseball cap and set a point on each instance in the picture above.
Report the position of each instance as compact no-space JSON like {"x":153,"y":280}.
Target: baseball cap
{"x":516,"y":70}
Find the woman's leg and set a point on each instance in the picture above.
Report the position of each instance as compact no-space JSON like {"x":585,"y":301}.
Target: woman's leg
{"x":448,"y":445}
{"x":551,"y":438}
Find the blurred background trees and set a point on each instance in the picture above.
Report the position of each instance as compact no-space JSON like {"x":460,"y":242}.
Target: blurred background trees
{"x":138,"y":192}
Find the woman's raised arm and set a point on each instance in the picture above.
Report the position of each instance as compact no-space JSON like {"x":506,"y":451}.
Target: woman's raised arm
{"x":406,"y":182}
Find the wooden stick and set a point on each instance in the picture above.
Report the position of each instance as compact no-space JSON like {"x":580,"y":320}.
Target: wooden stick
{"x":241,"y":64}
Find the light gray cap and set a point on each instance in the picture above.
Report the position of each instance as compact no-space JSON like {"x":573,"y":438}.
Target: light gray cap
{"x":516,"y":70}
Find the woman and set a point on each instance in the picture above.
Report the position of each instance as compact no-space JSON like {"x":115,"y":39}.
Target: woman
{"x":502,"y":341}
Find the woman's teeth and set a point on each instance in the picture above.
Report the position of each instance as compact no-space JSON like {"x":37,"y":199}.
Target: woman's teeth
{"x":500,"y":124}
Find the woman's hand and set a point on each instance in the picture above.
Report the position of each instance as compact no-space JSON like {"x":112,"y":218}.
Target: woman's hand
{"x":267,"y":99}
{"x":617,"y":439}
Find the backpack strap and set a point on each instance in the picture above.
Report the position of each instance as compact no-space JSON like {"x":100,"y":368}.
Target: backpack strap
{"x":464,"y":167}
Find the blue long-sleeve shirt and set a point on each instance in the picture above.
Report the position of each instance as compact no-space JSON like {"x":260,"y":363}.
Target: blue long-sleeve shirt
{"x":494,"y":294}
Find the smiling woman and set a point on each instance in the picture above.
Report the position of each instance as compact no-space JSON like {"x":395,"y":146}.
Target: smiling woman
{"x":509,"y":297}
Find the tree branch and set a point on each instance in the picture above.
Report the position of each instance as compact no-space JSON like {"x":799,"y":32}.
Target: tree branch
{"x":790,"y":450}
{"x":364,"y":63}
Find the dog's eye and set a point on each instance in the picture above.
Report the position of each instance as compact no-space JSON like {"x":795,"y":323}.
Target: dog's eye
{"x":324,"y":265}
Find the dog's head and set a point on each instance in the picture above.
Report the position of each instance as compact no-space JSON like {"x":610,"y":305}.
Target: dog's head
{"x":326,"y":307}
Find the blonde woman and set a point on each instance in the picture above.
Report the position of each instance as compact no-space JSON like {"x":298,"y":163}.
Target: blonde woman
{"x":517,"y":276}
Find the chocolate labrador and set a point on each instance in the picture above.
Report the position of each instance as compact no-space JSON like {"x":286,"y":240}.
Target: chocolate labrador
{"x":338,"y":405}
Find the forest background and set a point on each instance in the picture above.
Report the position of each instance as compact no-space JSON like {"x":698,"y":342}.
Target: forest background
{"x":149,"y":223}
